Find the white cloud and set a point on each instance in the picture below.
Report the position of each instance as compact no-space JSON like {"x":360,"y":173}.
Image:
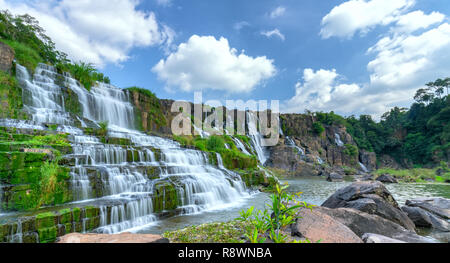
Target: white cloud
{"x":417,"y":20}
{"x":403,"y":60}
{"x":101,"y":31}
{"x":239,"y":25}
{"x":204,"y":62}
{"x":277,"y":12}
{"x":321,"y":90}
{"x":352,"y":16}
{"x":274,"y":32}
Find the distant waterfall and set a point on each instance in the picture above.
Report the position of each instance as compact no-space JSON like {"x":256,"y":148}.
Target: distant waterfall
{"x":255,"y":136}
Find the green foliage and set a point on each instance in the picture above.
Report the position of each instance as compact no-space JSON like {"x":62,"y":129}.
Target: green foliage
{"x":25,"y":34}
{"x":268,"y":223}
{"x":215,"y":144}
{"x":349,"y":170}
{"x":318,"y":128}
{"x":351,"y":150}
{"x":24,"y":55}
{"x":330,"y":118}
{"x":10,"y":97}
{"x":103,"y":128}
{"x":85,"y":73}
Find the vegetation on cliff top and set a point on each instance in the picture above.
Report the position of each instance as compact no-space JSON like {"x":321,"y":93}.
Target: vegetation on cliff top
{"x":31,"y":46}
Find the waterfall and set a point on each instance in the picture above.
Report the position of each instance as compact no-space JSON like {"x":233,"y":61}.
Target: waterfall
{"x":240,"y":145}
{"x":291,"y":143}
{"x":255,"y":136}
{"x":363,"y":167}
{"x":338,"y":141}
{"x":121,"y":174}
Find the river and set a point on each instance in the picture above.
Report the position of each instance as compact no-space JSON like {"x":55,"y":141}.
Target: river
{"x":315,"y":190}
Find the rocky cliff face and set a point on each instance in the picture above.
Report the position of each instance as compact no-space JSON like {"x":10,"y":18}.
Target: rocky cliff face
{"x":333,"y":146}
{"x":6,"y":57}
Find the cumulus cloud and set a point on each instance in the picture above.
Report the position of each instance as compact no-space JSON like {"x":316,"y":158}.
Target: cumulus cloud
{"x":277,"y":12}
{"x":361,"y":16}
{"x":413,"y":50}
{"x":403,"y":60}
{"x":204,"y":62}
{"x":101,"y":31}
{"x":416,"y":20}
{"x":274,"y":32}
{"x":323,"y":90}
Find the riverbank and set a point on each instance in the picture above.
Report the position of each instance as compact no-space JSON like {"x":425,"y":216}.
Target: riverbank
{"x":365,"y":218}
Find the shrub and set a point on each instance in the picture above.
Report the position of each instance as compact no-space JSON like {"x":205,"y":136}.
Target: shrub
{"x":351,"y":150}
{"x":318,"y":128}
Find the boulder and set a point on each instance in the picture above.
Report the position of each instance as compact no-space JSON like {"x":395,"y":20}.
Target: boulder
{"x":438,"y":206}
{"x":315,"y":226}
{"x":335,"y":177}
{"x":361,"y":223}
{"x":372,"y":198}
{"x":375,"y":238}
{"x":386,"y":178}
{"x":423,"y":218}
{"x":6,"y":57}
{"x":117,"y":238}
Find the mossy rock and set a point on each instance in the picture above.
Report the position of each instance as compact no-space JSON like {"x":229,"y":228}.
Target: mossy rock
{"x":48,"y":235}
{"x":46,"y":220}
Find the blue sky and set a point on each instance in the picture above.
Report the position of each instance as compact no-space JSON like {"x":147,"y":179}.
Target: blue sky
{"x":352,"y":56}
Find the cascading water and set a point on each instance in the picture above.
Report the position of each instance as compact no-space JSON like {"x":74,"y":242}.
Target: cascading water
{"x":117,"y":177}
{"x":291,"y":143}
{"x":363,"y":167}
{"x":338,"y":141}
{"x":255,"y":136}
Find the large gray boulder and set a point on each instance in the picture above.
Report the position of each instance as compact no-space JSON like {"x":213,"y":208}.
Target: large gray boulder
{"x":316,"y":225}
{"x":386,"y":178}
{"x":438,"y":206}
{"x":372,"y":198}
{"x":361,"y":223}
{"x":423,"y":218}
{"x":335,"y":177}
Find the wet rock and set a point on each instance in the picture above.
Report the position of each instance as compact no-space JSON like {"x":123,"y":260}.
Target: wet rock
{"x":117,"y":238}
{"x":316,"y":225}
{"x":375,"y":238}
{"x":437,"y":206}
{"x":381,"y":202}
{"x":6,"y":57}
{"x":386,"y":178}
{"x":335,"y":177}
{"x":361,"y":223}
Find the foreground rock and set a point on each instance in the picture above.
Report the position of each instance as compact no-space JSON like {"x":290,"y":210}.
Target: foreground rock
{"x":374,"y":238}
{"x":117,"y":238}
{"x":372,"y":198}
{"x":437,"y":206}
{"x":361,"y":223}
{"x":423,"y":218}
{"x":386,"y":178}
{"x":315,"y":226}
